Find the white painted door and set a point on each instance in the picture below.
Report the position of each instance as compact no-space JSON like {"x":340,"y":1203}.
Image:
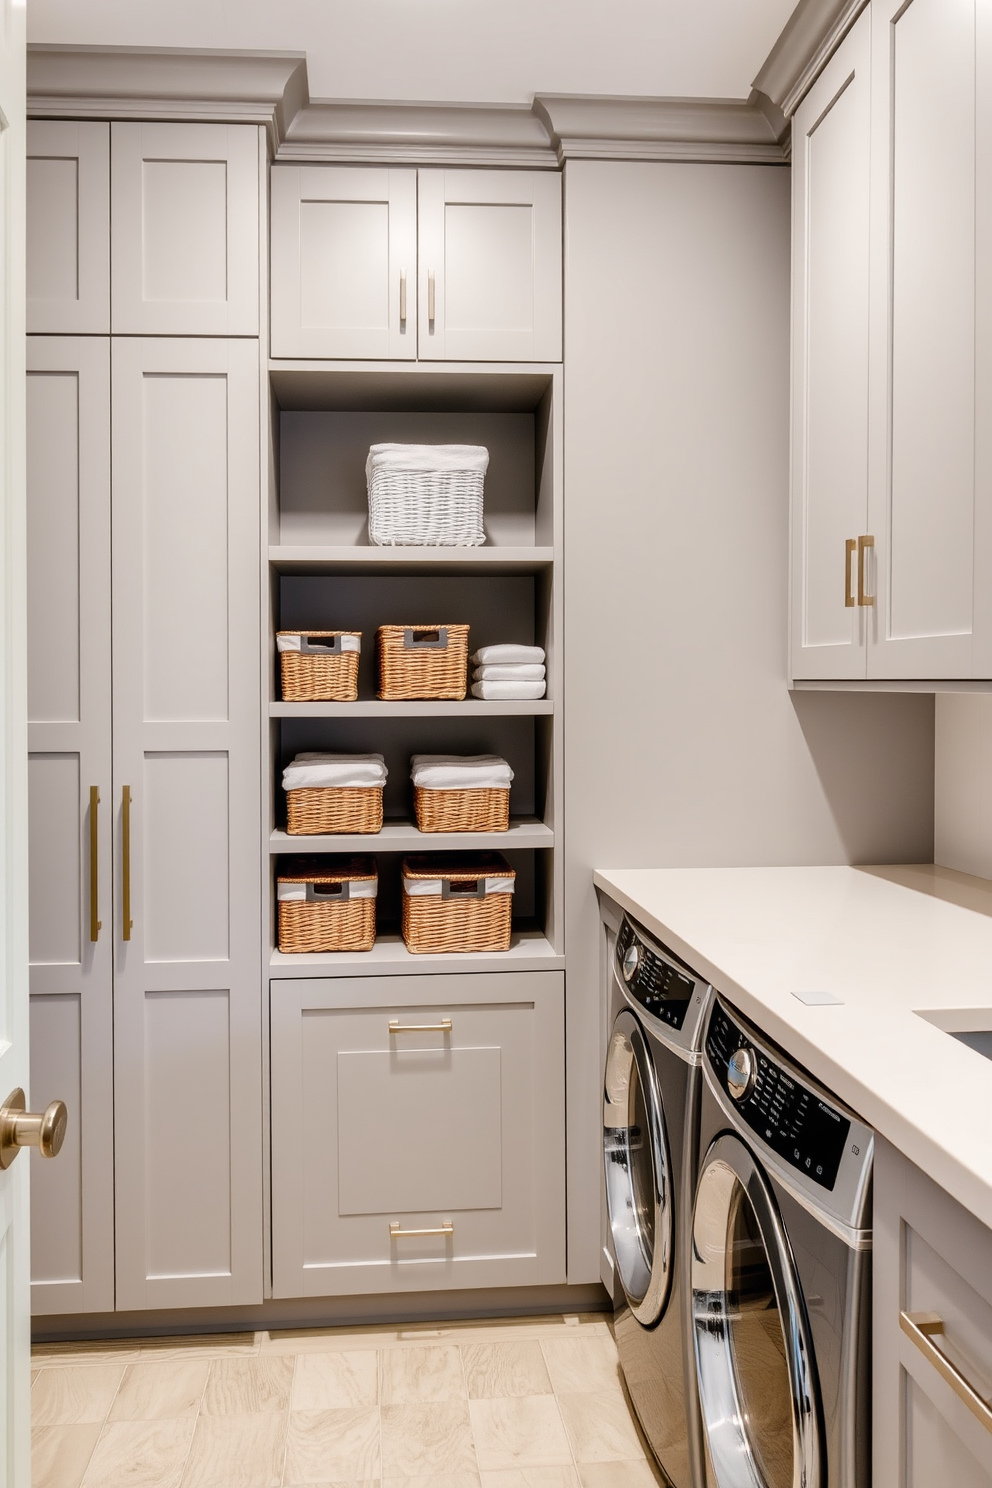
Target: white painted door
{"x":68,"y":271}
{"x":15,"y":1423}
{"x":186,"y":726}
{"x":184,"y":255}
{"x":930,"y":512}
{"x":490,"y":253}
{"x":830,"y":185}
{"x":344,"y":262}
{"x":70,"y":813}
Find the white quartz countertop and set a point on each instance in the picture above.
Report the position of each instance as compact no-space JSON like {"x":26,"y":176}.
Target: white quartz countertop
{"x":891,"y":943}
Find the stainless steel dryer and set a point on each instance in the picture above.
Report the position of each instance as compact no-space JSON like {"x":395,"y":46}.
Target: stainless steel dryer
{"x":650,"y":1115}
{"x":781,"y":1266}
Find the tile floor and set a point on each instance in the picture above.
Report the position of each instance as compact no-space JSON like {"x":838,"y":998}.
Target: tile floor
{"x":517,"y":1403}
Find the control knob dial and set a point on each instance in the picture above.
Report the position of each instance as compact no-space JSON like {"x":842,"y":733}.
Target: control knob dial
{"x":631,"y":961}
{"x":741,"y":1073}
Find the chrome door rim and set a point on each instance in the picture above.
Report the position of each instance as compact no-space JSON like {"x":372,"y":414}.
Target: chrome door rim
{"x":646,"y":1284}
{"x":727,"y":1165}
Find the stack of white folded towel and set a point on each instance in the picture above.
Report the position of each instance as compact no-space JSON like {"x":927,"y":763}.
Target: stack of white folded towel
{"x":509,"y":672}
{"x":344,"y":771}
{"x":460,"y":772}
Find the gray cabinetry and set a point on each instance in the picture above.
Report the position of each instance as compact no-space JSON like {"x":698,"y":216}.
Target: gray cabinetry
{"x":68,"y":200}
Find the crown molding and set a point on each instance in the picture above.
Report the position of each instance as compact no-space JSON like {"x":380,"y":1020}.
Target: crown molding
{"x":713,"y":130}
{"x":811,"y":35}
{"x":418,"y":133}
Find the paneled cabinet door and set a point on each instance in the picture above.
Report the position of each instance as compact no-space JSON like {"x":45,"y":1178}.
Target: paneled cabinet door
{"x":433,"y":1108}
{"x":70,"y":890}
{"x":186,"y":228}
{"x":68,"y":228}
{"x":344,"y":262}
{"x":187,"y":1015}
{"x":490,"y":255}
{"x":830,"y":186}
{"x":931,"y":509}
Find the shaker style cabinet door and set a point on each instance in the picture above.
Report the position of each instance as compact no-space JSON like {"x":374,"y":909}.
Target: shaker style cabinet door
{"x":830,"y":185}
{"x":187,"y":1010}
{"x":70,"y":816}
{"x":185,"y":243}
{"x":344,"y":262}
{"x":490,"y":265}
{"x":68,"y":263}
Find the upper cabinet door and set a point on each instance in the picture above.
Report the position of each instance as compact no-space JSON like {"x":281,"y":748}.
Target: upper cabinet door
{"x":186,"y":229}
{"x":68,"y":263}
{"x":830,"y":183}
{"x":344,"y":262}
{"x":490,"y":265}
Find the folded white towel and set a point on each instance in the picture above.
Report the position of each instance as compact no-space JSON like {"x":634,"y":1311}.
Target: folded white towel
{"x":460,"y":772}
{"x":473,"y":457}
{"x":509,"y":689}
{"x":501,"y":655}
{"x":289,"y":642}
{"x":344,"y":771}
{"x":506,"y":672}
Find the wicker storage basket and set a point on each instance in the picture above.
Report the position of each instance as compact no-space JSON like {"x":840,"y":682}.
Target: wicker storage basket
{"x":457,"y":905}
{"x":426,"y":495}
{"x":327,"y":905}
{"x":319,"y":666}
{"x":422,"y":661}
{"x":462,"y":810}
{"x":328,"y":808}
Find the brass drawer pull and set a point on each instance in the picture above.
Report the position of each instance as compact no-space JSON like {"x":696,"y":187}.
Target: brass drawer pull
{"x":849,"y":548}
{"x":395,"y":1230}
{"x":921,"y":1328}
{"x":395,"y":1026}
{"x":95,"y":925}
{"x":864,"y":543}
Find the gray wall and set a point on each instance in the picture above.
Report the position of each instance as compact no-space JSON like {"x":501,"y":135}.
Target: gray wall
{"x":683,"y":745}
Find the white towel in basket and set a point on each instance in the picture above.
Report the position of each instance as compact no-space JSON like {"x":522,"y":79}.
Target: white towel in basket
{"x":344,"y":771}
{"x":460,"y":772}
{"x":508,"y":655}
{"x":474,"y":457}
{"x":523,"y":672}
{"x":507,"y":690}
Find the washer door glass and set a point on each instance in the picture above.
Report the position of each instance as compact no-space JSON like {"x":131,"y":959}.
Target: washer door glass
{"x":758,"y":1389}
{"x":638,"y":1172}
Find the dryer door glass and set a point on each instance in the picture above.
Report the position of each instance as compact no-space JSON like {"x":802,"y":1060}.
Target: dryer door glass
{"x":757,"y":1376}
{"x":638,"y":1172}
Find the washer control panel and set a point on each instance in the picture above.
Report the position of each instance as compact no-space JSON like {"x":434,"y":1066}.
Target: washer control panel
{"x":791,"y":1117}
{"x":659,"y":986}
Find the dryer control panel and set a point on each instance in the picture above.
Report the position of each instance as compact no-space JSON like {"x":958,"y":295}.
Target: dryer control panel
{"x":657,"y":984}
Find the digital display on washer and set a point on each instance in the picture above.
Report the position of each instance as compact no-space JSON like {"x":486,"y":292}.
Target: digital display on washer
{"x":658,"y":986}
{"x":803,"y":1129}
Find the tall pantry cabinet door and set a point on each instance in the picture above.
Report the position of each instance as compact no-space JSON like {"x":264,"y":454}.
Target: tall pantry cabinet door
{"x":71,"y":905}
{"x":931,"y":512}
{"x":490,"y":265}
{"x":344,"y":262}
{"x":830,"y":209}
{"x":185,"y":244}
{"x":186,"y":750}
{"x":68,"y":227}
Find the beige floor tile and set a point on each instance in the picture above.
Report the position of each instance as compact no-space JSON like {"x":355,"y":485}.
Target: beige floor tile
{"x":59,"y":1455}
{"x":244,"y":1386}
{"x":532,"y":1477}
{"x":85,"y":1351}
{"x":523,"y":1432}
{"x":64,"y":1397}
{"x":331,"y":1446}
{"x":634,"y":1474}
{"x":426,"y":1440}
{"x":600,"y":1427}
{"x":415,"y":1375}
{"x":244,"y":1451}
{"x":436,"y":1480}
{"x":199,"y":1345}
{"x":341,"y":1483}
{"x":157,"y":1389}
{"x":335,"y":1381}
{"x":582,"y":1365}
{"x":515,"y":1367}
{"x":140,"y":1454}
{"x":327,"y":1340}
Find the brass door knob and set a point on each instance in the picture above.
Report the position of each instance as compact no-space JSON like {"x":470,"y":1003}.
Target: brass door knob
{"x":19,"y":1128}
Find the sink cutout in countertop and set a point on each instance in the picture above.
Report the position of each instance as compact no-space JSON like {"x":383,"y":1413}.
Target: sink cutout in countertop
{"x":970,"y":1026}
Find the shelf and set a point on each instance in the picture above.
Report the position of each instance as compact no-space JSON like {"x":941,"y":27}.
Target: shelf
{"x":529,"y":951}
{"x":403,"y":836}
{"x":304,"y":386}
{"x":371,"y":560}
{"x":372,"y":708}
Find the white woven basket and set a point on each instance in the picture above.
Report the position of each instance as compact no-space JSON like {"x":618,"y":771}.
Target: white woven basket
{"x":426,"y":495}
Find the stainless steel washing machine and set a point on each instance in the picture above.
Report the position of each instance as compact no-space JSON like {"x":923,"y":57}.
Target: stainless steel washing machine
{"x":780,"y":1270}
{"x":650,"y":1115}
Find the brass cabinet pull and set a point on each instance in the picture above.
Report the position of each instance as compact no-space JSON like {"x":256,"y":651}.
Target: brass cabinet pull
{"x":921,"y":1328}
{"x":849,"y":547}
{"x":395,"y":1230}
{"x":395,"y":1026}
{"x":95,"y":924}
{"x":430,"y":295}
{"x":126,"y":854}
{"x":864,"y":543}
{"x":402,"y":296}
